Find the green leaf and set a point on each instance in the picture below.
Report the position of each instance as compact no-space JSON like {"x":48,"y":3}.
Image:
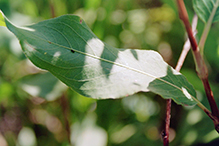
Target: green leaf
{"x":206,"y":9}
{"x":36,"y":85}
{"x":67,"y":48}
{"x":2,"y":21}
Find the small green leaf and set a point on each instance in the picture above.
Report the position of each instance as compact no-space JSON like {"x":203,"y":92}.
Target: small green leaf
{"x":67,"y":48}
{"x":43,"y":85}
{"x":2,"y":21}
{"x":206,"y":9}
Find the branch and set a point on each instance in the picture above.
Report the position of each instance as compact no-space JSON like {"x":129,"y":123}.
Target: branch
{"x":200,"y":65}
{"x":184,"y":17}
{"x":52,"y":9}
{"x":165,"y":134}
{"x":187,"y":45}
{"x":65,"y":110}
{"x":180,"y":62}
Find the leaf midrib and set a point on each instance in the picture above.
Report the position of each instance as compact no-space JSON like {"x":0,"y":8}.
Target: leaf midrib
{"x":102,"y":59}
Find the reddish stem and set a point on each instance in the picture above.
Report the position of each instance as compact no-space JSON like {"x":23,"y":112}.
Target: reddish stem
{"x":180,"y":62}
{"x":185,"y":18}
{"x":200,"y":64}
{"x":52,"y":9}
{"x":167,"y":123}
{"x":210,"y":97}
{"x":65,"y":110}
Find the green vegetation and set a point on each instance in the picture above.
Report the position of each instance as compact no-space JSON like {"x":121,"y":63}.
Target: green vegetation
{"x":37,"y":109}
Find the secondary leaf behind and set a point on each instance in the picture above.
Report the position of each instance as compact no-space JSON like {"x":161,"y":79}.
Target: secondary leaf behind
{"x":204,"y":9}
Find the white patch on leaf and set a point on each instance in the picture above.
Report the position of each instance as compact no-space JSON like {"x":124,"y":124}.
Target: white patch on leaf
{"x":29,"y":49}
{"x":95,"y":47}
{"x":32,"y":90}
{"x":56,"y":57}
{"x":186,"y":93}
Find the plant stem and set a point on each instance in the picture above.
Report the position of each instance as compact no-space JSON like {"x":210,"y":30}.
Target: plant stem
{"x":167,"y":123}
{"x":52,"y":9}
{"x":200,"y":65}
{"x":183,"y":55}
{"x":184,"y":17}
{"x":65,"y":110}
{"x":180,"y":62}
{"x":210,"y":97}
{"x":187,"y":45}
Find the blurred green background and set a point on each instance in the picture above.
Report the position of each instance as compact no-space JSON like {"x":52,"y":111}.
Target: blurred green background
{"x":36,"y":109}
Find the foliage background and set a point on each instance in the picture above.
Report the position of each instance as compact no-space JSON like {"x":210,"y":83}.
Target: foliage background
{"x":27,"y":119}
